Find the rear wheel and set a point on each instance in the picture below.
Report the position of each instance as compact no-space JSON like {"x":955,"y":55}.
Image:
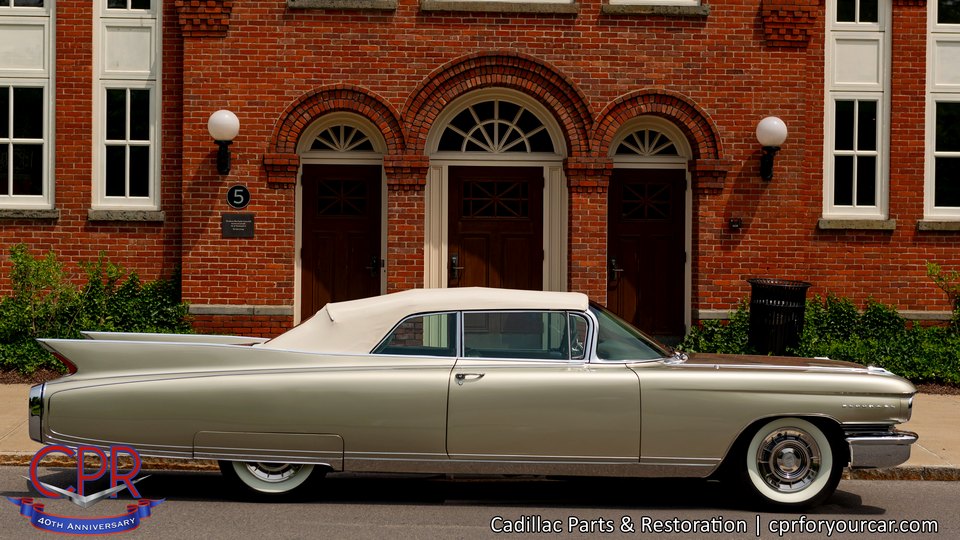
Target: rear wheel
{"x":791,"y":463}
{"x":269,"y":478}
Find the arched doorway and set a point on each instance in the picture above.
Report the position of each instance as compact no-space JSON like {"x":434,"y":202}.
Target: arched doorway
{"x":340,"y":209}
{"x":648,"y":228}
{"x":495,"y":195}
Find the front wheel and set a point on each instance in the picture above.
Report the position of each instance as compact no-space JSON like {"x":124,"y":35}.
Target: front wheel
{"x":790,"y":463}
{"x":268,"y":478}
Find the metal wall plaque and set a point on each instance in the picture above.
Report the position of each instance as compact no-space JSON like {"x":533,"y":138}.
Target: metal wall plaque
{"x":236,"y":225}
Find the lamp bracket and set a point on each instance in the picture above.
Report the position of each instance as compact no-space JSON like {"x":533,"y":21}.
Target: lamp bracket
{"x":223,"y":157}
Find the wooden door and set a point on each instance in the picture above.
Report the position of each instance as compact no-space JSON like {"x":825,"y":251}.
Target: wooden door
{"x":341,"y":234}
{"x":496,"y":227}
{"x":646,"y":253}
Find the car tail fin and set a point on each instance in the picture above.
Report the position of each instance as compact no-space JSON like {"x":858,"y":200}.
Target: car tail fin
{"x":71,"y":367}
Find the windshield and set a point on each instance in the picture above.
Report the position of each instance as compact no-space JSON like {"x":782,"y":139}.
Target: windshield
{"x":618,"y":340}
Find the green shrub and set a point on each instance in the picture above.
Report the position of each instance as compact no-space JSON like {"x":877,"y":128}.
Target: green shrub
{"x":833,"y":319}
{"x":731,"y":337}
{"x":835,"y":328}
{"x":45,"y":303}
{"x":881,"y":320}
{"x":949,"y":282}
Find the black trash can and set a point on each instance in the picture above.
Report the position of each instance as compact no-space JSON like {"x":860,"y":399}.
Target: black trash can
{"x":776,"y":314}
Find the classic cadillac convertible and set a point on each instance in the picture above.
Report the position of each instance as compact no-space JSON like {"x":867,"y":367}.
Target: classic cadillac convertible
{"x":475,"y":381}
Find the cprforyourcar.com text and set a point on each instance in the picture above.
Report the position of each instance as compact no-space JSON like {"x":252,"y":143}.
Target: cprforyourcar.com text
{"x":536,"y":524}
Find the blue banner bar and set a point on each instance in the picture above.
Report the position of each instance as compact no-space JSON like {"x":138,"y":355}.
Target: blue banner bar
{"x":33,"y":510}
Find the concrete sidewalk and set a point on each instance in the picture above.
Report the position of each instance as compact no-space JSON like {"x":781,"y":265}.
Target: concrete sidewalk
{"x":936,"y":456}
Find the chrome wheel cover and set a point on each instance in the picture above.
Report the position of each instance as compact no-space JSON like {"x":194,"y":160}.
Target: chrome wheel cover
{"x":269,"y":478}
{"x":273,"y":472}
{"x":789,"y":460}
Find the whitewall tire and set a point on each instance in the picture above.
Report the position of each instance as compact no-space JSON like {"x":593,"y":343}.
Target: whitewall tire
{"x":268,"y":478}
{"x":790,"y":463}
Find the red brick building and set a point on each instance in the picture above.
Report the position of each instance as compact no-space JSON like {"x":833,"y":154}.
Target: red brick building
{"x":606,"y":146}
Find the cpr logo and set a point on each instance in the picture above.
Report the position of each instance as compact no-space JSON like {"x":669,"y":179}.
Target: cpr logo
{"x":34,"y":509}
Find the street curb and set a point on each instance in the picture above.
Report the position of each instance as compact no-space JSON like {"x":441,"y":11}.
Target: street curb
{"x":939,"y":474}
{"x":147,"y":463}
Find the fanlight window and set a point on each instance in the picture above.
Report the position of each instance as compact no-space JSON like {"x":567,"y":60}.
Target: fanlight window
{"x":342,"y":138}
{"x":496,"y":127}
{"x":647,"y":143}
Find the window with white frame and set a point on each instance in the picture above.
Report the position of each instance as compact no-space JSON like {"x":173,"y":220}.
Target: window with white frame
{"x":26,"y":104}
{"x":127,"y":153}
{"x":856,"y":109}
{"x":942,"y":197}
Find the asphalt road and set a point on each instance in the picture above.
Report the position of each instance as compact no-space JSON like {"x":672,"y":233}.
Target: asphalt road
{"x":201,"y":505}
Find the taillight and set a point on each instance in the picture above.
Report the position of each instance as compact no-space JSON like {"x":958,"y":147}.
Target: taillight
{"x":71,"y":367}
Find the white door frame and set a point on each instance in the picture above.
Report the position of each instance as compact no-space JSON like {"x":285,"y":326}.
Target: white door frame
{"x":679,"y":161}
{"x":437,"y":226}
{"x":437,"y":190}
{"x":326,"y":157}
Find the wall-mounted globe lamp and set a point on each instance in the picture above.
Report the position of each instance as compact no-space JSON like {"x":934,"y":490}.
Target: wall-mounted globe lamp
{"x":771,"y":132}
{"x":223,"y":126}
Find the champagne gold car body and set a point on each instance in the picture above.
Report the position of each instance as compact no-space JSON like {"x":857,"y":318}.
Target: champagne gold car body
{"x":322,"y":395}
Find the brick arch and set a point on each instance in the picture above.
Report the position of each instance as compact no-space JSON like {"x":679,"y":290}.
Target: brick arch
{"x":499,"y":69}
{"x":695,"y":124}
{"x":281,"y":160}
{"x":336,"y":98}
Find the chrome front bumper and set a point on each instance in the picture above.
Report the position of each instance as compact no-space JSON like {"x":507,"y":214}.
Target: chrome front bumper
{"x":35,"y":406}
{"x":872,"y":450}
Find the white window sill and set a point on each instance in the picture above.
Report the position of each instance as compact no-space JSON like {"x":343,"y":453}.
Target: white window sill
{"x":846,"y":224}
{"x":235,"y":310}
{"x":126,"y":215}
{"x":910,"y":315}
{"x":28,"y":213}
{"x":499,"y":7}
{"x":941,"y":225}
{"x":649,"y":9}
{"x":386,"y":5}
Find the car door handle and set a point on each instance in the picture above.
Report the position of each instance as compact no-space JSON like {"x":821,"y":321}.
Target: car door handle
{"x":461,"y":377}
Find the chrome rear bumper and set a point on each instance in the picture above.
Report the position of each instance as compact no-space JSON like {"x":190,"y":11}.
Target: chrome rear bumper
{"x":879,"y":449}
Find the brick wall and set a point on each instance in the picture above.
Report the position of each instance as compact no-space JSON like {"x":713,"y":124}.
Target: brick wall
{"x":153,"y":248}
{"x":244,"y":325}
{"x":714,"y":76}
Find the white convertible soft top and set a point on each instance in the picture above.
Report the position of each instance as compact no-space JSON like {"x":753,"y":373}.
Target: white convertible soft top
{"x":358,"y":325}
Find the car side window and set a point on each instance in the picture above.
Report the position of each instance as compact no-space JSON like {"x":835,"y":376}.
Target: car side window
{"x":578,"y":336}
{"x":433,"y":334}
{"x":618,"y":340}
{"x":540,"y":335}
